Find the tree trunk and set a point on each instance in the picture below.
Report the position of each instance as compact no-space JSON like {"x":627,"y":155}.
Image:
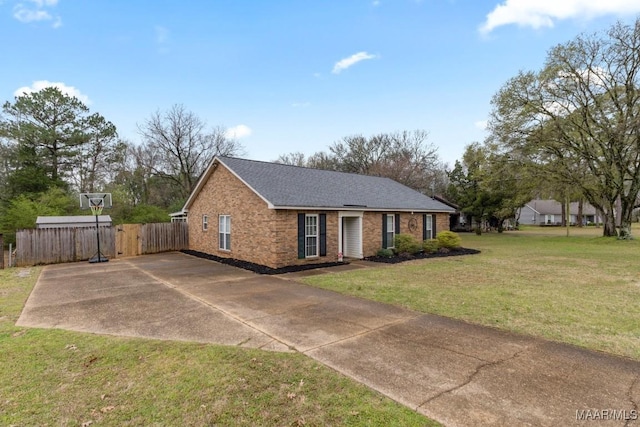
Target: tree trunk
{"x":563,"y":213}
{"x":580,"y":217}
{"x":626,"y":217}
{"x":608,"y":225}
{"x":625,"y":230}
{"x":567,"y":215}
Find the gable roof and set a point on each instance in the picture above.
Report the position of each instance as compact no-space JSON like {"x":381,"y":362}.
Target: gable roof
{"x":553,"y":207}
{"x":290,"y":187}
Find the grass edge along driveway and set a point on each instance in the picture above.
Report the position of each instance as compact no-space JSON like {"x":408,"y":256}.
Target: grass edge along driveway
{"x":56,"y":377}
{"x":582,"y":290}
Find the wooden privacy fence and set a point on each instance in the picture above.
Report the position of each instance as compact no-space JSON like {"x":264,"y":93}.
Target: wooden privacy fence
{"x":56,"y":245}
{"x":140,"y":239}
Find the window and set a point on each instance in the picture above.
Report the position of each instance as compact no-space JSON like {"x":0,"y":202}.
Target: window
{"x":429,"y":226}
{"x":391,"y":228}
{"x":205,"y":222}
{"x":311,"y":236}
{"x":225,"y":232}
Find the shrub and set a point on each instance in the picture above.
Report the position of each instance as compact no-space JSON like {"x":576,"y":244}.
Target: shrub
{"x":448,"y":239}
{"x":406,"y":243}
{"x":387,"y":253}
{"x":430,"y":246}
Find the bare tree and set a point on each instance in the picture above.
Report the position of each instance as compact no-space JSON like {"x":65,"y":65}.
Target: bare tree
{"x":404,"y":156}
{"x":318,"y":160}
{"x":294,"y":159}
{"x":184,"y":145}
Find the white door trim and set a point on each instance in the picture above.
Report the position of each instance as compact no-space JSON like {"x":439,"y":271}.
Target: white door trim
{"x":350,"y":214}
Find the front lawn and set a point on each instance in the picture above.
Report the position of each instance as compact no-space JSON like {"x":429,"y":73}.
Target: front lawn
{"x":61,"y":378}
{"x":582,"y":289}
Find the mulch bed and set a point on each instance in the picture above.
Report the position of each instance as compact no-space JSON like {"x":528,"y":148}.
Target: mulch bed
{"x":406,"y":257}
{"x":263,"y":269}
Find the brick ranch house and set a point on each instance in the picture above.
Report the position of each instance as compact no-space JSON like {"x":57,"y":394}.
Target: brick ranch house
{"x":279,"y":215}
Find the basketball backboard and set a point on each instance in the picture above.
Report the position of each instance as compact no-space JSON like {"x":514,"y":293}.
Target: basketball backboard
{"x":93,"y":199}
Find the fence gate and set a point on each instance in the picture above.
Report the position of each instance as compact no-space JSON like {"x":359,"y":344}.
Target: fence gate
{"x":128,"y":240}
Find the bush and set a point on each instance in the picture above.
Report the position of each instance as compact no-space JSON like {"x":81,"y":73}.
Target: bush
{"x":430,"y":246}
{"x":387,"y":253}
{"x":448,"y":239}
{"x":406,"y":243}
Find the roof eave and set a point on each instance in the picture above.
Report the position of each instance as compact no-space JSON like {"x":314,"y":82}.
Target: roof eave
{"x":358,"y":208}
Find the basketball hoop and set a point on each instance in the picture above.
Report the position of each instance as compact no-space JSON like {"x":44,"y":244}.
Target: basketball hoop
{"x":96,"y":205}
{"x":96,"y":202}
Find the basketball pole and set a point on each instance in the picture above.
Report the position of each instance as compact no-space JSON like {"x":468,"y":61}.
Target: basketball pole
{"x":98,"y":257}
{"x":98,"y":237}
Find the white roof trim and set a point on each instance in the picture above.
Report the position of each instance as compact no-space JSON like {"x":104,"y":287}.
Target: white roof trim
{"x":529,"y":206}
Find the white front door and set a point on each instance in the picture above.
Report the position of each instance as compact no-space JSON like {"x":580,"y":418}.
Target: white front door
{"x":350,"y":234}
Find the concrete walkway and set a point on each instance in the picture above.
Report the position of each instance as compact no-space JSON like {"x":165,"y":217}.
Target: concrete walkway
{"x":451,"y":371}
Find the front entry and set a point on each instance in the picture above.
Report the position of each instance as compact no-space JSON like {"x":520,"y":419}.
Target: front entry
{"x":350,"y":231}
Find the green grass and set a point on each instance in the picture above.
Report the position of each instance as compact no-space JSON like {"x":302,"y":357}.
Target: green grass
{"x":582,"y":289}
{"x":62,"y":378}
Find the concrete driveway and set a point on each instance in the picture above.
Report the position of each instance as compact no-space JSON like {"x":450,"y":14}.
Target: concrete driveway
{"x":451,"y":371}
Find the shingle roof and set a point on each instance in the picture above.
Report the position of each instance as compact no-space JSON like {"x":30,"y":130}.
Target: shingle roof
{"x":285,"y":186}
{"x":72,"y":219}
{"x":553,"y":207}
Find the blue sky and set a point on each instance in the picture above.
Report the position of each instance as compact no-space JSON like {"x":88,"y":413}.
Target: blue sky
{"x":292,"y":75}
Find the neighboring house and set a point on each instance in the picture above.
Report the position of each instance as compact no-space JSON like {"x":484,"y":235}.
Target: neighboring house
{"x":549,"y":212}
{"x":72,"y":221}
{"x":278,"y":215}
{"x":178,"y":216}
{"x":457,"y":220}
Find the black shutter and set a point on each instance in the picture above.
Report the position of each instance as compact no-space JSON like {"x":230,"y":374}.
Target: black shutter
{"x":301,"y":251}
{"x":323,"y":234}
{"x":433,"y":225}
{"x":397,"y":224}
{"x":424,"y":227}
{"x":384,"y":231}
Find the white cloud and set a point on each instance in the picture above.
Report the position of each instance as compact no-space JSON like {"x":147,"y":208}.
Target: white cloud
{"x":543,"y":13}
{"x":162,"y":38}
{"x":375,"y":3}
{"x":345,"y":63}
{"x":162,"y":34}
{"x":41,"y":84}
{"x":238,"y":132}
{"x":481,"y":124}
{"x":36,"y":10}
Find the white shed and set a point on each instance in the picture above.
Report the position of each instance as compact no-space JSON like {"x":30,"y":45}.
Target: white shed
{"x":73,"y":221}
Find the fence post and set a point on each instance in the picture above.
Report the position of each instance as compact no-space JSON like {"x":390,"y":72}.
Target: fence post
{"x":1,"y":251}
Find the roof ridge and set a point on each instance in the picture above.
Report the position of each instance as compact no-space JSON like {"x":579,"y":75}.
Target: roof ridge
{"x":304,"y":167}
